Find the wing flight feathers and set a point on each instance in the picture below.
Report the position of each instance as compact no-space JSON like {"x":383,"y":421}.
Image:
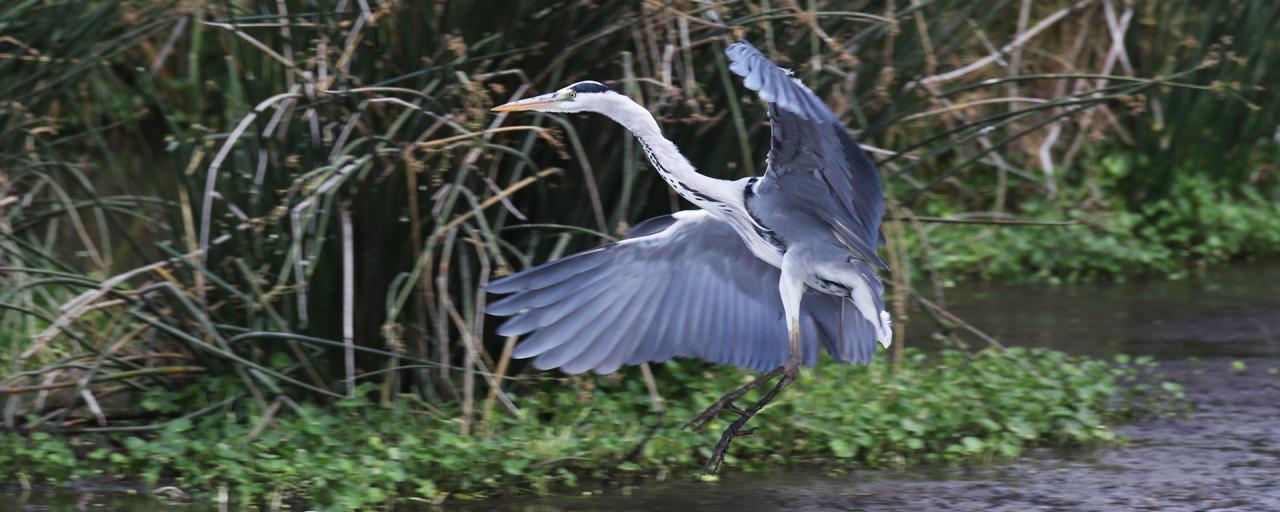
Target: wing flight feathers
{"x":686,"y":286}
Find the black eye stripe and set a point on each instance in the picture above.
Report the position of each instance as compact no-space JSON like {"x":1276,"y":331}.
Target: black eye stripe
{"x":588,"y":87}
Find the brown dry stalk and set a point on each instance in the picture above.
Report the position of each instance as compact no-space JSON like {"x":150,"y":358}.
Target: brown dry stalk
{"x":166,"y":370}
{"x":544,"y":133}
{"x":494,"y":199}
{"x":1017,"y":42}
{"x":83,"y":303}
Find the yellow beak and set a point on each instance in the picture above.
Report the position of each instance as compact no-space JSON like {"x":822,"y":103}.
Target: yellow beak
{"x":533,"y":103}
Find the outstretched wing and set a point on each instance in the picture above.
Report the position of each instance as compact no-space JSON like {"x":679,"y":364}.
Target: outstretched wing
{"x":682,"y":285}
{"x":815,"y":165}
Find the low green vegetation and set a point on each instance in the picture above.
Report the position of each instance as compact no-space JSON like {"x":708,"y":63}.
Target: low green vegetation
{"x":953,"y":406}
{"x":1202,"y":222}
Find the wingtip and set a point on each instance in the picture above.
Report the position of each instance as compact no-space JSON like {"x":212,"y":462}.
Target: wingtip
{"x":877,"y":261}
{"x":506,"y":330}
{"x":761,"y":74}
{"x":498,"y":286}
{"x":734,"y":50}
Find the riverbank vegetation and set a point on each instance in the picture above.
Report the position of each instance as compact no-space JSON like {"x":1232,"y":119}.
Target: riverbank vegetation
{"x":954,"y":406}
{"x":296,"y":203}
{"x":1203,"y":222}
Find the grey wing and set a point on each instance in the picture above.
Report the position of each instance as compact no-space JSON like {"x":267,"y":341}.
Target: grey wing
{"x":684,"y":285}
{"x":815,"y":164}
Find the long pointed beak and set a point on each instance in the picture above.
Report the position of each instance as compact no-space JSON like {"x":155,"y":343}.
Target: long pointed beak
{"x":533,"y":103}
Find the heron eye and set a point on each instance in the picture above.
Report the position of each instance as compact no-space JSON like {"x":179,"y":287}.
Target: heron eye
{"x":573,"y":95}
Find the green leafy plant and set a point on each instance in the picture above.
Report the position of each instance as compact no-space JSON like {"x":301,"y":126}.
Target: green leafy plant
{"x":937,"y":408}
{"x":1205,"y":221}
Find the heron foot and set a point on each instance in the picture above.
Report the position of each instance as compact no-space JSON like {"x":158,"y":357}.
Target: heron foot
{"x":788,"y":372}
{"x":726,"y":402}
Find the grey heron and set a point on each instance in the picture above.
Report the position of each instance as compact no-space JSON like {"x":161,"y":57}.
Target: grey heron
{"x":787,"y":256}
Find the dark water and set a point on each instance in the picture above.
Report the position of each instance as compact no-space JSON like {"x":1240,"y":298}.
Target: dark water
{"x":1223,"y":456}
{"x":93,"y":496}
{"x":1229,"y":312}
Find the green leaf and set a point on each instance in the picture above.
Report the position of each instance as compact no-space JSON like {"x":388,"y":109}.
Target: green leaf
{"x":973,"y":444}
{"x":841,"y":448}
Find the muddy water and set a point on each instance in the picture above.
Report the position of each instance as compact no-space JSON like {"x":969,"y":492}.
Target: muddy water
{"x":1225,"y":455}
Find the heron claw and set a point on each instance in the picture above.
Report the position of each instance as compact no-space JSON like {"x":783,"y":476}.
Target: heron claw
{"x":788,"y":371}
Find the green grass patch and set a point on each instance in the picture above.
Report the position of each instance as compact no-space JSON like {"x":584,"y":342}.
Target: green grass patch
{"x":948,"y":407}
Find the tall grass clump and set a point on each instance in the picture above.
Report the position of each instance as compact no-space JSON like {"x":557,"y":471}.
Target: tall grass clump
{"x":306,"y":197}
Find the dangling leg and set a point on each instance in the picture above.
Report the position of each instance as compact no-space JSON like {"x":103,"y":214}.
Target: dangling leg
{"x":726,"y":402}
{"x":791,"y":287}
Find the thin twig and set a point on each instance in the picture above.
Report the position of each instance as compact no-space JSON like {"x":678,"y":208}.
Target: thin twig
{"x":255,"y":42}
{"x":951,"y":317}
{"x":267,"y":416}
{"x":996,"y":222}
{"x":81,"y":304}
{"x":145,"y":372}
{"x":1017,"y":42}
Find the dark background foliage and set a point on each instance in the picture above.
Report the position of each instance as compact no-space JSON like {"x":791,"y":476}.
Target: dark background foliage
{"x":183,"y":181}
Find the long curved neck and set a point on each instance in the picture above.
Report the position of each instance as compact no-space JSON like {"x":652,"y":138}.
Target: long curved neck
{"x":675,"y":169}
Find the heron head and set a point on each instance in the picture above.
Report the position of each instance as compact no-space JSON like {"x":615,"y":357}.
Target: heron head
{"x":587,"y":96}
